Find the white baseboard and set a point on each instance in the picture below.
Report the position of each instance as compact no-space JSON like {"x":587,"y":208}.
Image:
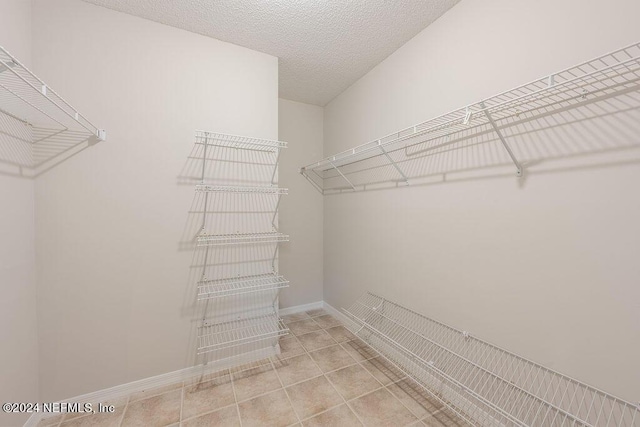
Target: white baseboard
{"x":300,"y":308}
{"x":122,"y":390}
{"x":183,"y":374}
{"x":336,"y":313}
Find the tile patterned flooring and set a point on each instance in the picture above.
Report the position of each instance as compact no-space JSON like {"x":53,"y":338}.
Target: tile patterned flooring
{"x":324,"y":376}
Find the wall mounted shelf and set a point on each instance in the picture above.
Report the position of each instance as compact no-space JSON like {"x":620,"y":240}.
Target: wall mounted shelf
{"x":206,"y":188}
{"x":240,"y":239}
{"x":235,"y":333}
{"x":240,"y":285}
{"x":609,"y":75}
{"x":32,"y":113}
{"x":482,"y":383}
{"x":237,"y":141}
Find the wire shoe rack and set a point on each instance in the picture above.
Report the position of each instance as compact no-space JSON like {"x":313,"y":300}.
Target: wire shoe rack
{"x":230,"y":336}
{"x":240,"y":285}
{"x":34,"y":114}
{"x":399,"y":153}
{"x":483,"y":384}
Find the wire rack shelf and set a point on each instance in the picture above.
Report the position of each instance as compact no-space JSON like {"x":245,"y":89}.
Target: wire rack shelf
{"x":609,"y":75}
{"x":206,"y":188}
{"x":240,"y":285}
{"x":35,"y":114}
{"x":482,"y":383}
{"x":241,"y":238}
{"x":237,"y":141}
{"x":238,"y":332}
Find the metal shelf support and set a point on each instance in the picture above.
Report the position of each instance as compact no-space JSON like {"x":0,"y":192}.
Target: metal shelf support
{"x":502,"y":140}
{"x":393,"y":163}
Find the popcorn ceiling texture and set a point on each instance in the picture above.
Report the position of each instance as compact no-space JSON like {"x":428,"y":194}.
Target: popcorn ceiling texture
{"x":324,"y":46}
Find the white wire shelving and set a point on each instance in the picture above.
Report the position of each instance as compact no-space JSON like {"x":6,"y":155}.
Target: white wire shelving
{"x":240,"y":285}
{"x":207,"y":188}
{"x":239,"y":332}
{"x":237,"y":141}
{"x":609,"y":75}
{"x":241,"y":238}
{"x":483,"y":384}
{"x":32,"y":113}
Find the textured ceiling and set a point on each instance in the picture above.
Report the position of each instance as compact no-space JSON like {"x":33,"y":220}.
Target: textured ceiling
{"x":323,"y":46}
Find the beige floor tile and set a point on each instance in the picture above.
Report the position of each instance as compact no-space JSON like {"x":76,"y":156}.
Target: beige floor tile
{"x":156,"y":391}
{"x":53,"y":420}
{"x":303,"y":327}
{"x":444,"y":418}
{"x":384,"y":371}
{"x":380,"y":408}
{"x":341,"y":416}
{"x":207,"y":396}
{"x":341,"y":334}
{"x":251,"y":365}
{"x":105,"y":419}
{"x":327,"y":321}
{"x":271,"y":409}
{"x":316,"y":312}
{"x":226,"y":417}
{"x":289,"y":346}
{"x":160,"y":410}
{"x":359,"y":350}
{"x":332,"y":358}
{"x":313,"y":396}
{"x":414,"y":397}
{"x":256,"y":381}
{"x":296,"y":369}
{"x":316,"y":340}
{"x":353,"y":381}
{"x":289,"y":318}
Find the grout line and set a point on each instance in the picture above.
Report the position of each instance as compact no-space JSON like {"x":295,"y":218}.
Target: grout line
{"x":285,"y":392}
{"x":126,"y":405}
{"x":207,"y":413}
{"x":182,"y":392}
{"x":235,"y":396}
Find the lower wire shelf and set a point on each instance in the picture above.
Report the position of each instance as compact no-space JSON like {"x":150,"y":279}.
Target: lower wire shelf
{"x":240,"y":285}
{"x":483,"y":384}
{"x":238,"y":332}
{"x":240,"y":238}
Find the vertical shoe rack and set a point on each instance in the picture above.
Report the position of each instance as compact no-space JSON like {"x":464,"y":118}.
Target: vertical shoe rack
{"x":239,"y":237}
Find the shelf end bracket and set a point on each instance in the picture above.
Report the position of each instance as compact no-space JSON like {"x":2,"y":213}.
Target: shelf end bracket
{"x":502,"y":140}
{"x":395,"y":165}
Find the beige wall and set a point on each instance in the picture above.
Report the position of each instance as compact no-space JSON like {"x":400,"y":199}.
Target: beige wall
{"x":18,"y":337}
{"x":546,"y":266}
{"x":301,"y":211}
{"x":115,"y":299}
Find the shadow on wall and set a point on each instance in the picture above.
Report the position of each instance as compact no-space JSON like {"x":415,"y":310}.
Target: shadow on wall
{"x":569,"y":138}
{"x":27,"y":151}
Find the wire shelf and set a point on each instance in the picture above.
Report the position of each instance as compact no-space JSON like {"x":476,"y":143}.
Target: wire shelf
{"x":34,"y":114}
{"x":484,"y":384}
{"x":206,"y":188}
{"x":238,"y":332}
{"x":240,"y":285}
{"x":609,"y":75}
{"x":241,"y":238}
{"x":237,"y":141}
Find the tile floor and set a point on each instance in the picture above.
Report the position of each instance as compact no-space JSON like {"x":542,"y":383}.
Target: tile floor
{"x":323,"y":377}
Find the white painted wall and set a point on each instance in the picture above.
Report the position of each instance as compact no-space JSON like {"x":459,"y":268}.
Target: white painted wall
{"x":18,"y":335}
{"x":115,"y":300}
{"x":301,"y":212}
{"x":546,"y":267}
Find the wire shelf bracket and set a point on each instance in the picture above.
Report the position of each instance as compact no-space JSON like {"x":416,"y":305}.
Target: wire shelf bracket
{"x":480,"y":382}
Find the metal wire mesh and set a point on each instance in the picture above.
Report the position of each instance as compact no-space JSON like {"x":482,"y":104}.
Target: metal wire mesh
{"x":27,"y":102}
{"x":484,"y":384}
{"x":240,"y":285}
{"x":241,"y":238}
{"x":404,"y":154}
{"x":237,"y":141}
{"x":235,"y":333}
